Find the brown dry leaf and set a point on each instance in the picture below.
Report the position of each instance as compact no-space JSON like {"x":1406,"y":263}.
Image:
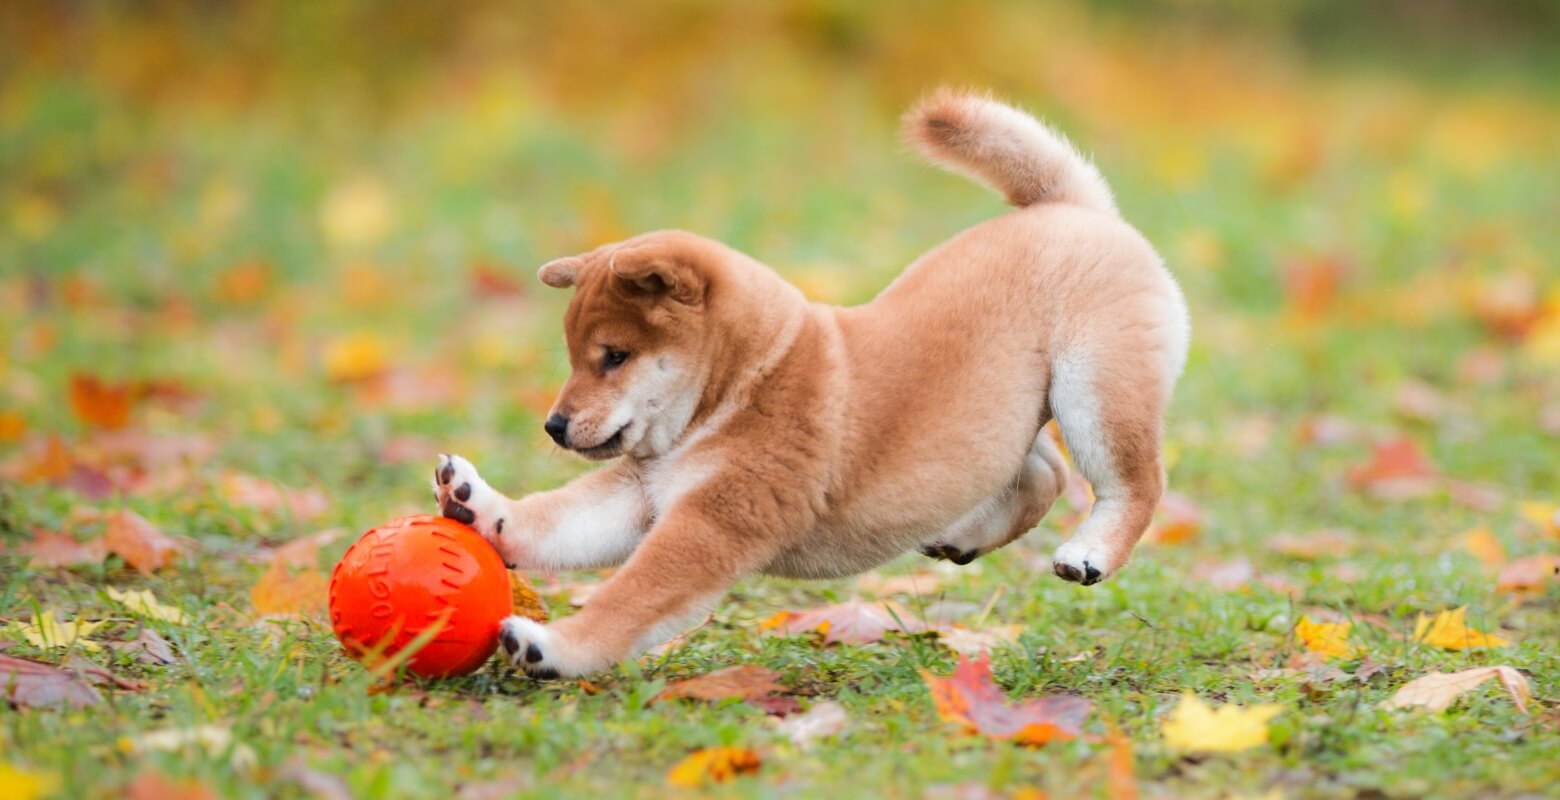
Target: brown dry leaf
{"x":1311,"y":284}
{"x":244,"y":282}
{"x":1419,"y":401}
{"x":281,"y":591}
{"x":154,"y":786}
{"x":851,"y":622}
{"x":49,"y":550}
{"x":1177,"y":520}
{"x":319,"y":785}
{"x":304,"y":551}
{"x":99,"y":404}
{"x":1484,"y":546}
{"x":1529,"y":575}
{"x":915,"y":584}
{"x":1121,"y":783}
{"x":745,"y":681}
{"x":971,"y":698}
{"x":967,"y":642}
{"x":1438,"y":690}
{"x":25,"y":682}
{"x":131,"y":537}
{"x":1327,"y":430}
{"x":713,"y":765}
{"x":1398,"y":470}
{"x":50,"y":465}
{"x":528,"y":603}
{"x":1325,"y":543}
{"x":1238,"y":575}
{"x":148,"y":647}
{"x":493,"y":280}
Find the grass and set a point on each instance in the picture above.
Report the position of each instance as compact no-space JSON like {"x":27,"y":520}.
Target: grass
{"x":134,"y":213}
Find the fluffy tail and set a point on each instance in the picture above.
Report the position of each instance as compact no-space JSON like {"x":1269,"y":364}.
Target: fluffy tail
{"x":1006,"y":149}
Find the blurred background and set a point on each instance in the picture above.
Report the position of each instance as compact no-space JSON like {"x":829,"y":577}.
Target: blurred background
{"x":298,"y":239}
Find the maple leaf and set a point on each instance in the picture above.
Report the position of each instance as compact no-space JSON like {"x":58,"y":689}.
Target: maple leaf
{"x":131,"y":537}
{"x":100,"y":404}
{"x":281,"y":591}
{"x":1439,"y":690}
{"x":914,"y":584}
{"x":1176,"y":521}
{"x":1544,"y":515}
{"x":713,"y":765}
{"x":46,"y":632}
{"x":745,"y":681}
{"x":1449,"y":630}
{"x":971,"y":698}
{"x":25,"y":682}
{"x":826,"y":718}
{"x":148,"y":647}
{"x":1329,"y":639}
{"x":142,"y":602}
{"x":1528,"y":575}
{"x":50,"y":550}
{"x":268,"y":497}
{"x":1484,"y":546}
{"x":967,"y":642}
{"x":852,"y":622}
{"x":1398,"y":470}
{"x":1325,"y":543}
{"x":1194,"y":726}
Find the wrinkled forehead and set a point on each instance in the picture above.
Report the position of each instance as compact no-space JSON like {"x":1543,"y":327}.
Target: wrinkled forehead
{"x":599,"y":315}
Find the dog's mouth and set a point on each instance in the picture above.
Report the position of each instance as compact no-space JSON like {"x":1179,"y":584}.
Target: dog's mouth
{"x":606,"y":449}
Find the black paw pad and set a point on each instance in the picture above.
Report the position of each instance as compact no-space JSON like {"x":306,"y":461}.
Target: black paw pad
{"x":1068,"y":572}
{"x":511,"y":644}
{"x":463,"y":493}
{"x":1091,"y":575}
{"x":963,"y":558}
{"x":548,"y":674}
{"x":459,"y":513}
{"x":533,"y":653}
{"x":446,"y":473}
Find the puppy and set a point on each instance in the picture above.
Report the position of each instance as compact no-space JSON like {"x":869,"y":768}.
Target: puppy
{"x":751,"y":431}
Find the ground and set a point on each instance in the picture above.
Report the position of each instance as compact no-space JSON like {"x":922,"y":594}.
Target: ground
{"x":276,"y":307}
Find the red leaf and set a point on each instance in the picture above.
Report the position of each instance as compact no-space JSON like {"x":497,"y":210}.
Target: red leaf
{"x":971,"y":698}
{"x":49,"y":549}
{"x":1398,"y":469}
{"x":746,"y":681}
{"x":139,"y":543}
{"x":99,"y":404}
{"x":25,"y":682}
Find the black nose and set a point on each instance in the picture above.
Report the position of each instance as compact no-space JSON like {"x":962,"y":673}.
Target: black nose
{"x":557,"y":426}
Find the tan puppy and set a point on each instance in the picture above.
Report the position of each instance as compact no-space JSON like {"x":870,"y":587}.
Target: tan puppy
{"x":753,"y":431}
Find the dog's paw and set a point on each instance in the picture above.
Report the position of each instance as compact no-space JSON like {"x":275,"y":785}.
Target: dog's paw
{"x":464,"y":497}
{"x":947,"y":552}
{"x":1083,"y":563}
{"x":529,"y":646}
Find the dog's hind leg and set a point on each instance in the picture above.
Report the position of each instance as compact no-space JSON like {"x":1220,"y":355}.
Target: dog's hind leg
{"x":1010,"y":513}
{"x":1109,"y":411}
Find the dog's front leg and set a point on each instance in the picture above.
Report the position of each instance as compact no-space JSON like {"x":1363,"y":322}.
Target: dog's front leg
{"x":596,"y":520}
{"x":673,"y":581}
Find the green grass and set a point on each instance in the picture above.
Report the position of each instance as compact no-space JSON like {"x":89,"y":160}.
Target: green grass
{"x":148,"y":202}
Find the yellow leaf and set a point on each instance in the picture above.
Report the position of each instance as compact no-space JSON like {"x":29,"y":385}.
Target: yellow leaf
{"x":142,"y":602}
{"x":1449,"y":630}
{"x":1438,"y":690}
{"x":46,"y":631}
{"x":356,"y":357}
{"x":16,"y":784}
{"x":1195,"y":726}
{"x":1545,"y":515}
{"x":712,"y":765}
{"x":357,"y":212}
{"x":1330,"y":639}
{"x":1484,"y":546}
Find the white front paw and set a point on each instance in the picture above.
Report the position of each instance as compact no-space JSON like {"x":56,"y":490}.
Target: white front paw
{"x":530,"y":646}
{"x":464,"y":497}
{"x":1083,"y":563}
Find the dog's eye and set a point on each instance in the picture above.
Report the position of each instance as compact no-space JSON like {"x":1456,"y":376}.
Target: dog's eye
{"x":614,"y":358}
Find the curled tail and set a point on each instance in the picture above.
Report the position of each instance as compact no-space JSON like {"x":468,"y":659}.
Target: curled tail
{"x":1005,"y":149}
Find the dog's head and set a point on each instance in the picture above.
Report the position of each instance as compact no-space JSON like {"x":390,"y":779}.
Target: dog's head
{"x":638,"y":335}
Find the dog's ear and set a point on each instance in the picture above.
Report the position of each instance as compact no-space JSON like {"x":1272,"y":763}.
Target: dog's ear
{"x":661,"y":268}
{"x":560,"y":273}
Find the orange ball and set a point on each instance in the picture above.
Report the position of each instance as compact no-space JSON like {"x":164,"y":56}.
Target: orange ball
{"x":409,"y":573}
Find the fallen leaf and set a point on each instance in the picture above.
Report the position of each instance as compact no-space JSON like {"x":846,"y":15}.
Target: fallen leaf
{"x":1545,"y":515}
{"x":713,"y":765}
{"x":1419,"y":401}
{"x":1238,"y":575}
{"x":1176,"y":521}
{"x":244,"y":282}
{"x":216,"y":740}
{"x":270,"y":498}
{"x":47,"y":632}
{"x":50,"y":550}
{"x":971,"y":698}
{"x":52,"y":465}
{"x":19,"y":784}
{"x":1121,"y":783}
{"x":357,"y":357}
{"x":357,"y":212}
{"x":1194,"y":726}
{"x":148,"y":647}
{"x":1398,"y":470}
{"x":493,"y":280}
{"x":281,"y":591}
{"x":745,"y":681}
{"x":826,"y":718}
{"x":1449,"y":630}
{"x":304,"y":551}
{"x":143,"y":603}
{"x":37,"y":685}
{"x":1328,"y":639}
{"x":12,"y":426}
{"x":967,"y":642}
{"x":852,"y":622}
{"x":320,"y":785}
{"x":131,"y":537}
{"x":1528,"y":575}
{"x":528,"y":603}
{"x":1325,"y":543}
{"x":1310,"y":285}
{"x":1484,"y":546}
{"x":154,"y":786}
{"x":99,"y":404}
{"x":1438,"y":690}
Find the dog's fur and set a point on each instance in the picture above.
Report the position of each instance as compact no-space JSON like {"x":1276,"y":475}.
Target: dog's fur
{"x":756,"y":432}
